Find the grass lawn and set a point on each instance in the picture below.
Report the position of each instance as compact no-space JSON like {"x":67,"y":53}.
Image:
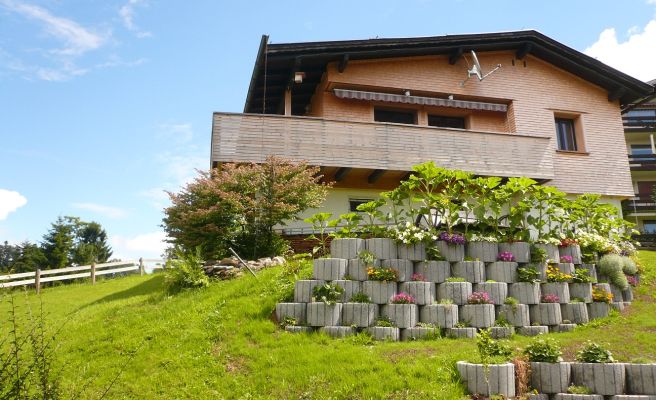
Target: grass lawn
{"x":220,"y":342}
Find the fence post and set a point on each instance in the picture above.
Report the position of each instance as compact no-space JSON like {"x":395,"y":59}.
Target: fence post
{"x":141,"y":266}
{"x":93,"y":273}
{"x":37,"y":280}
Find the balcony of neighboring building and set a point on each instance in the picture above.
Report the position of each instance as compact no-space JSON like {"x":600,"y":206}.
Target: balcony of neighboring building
{"x":641,"y":119}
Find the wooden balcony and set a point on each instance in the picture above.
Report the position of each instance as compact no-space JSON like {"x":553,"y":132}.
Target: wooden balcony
{"x":642,"y":162}
{"x":377,"y":146}
{"x":642,"y":204}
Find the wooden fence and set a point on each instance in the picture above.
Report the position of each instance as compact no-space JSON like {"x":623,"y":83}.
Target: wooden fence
{"x":39,"y":276}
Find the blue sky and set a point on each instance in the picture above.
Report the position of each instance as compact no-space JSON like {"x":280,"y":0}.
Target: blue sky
{"x":105,"y":104}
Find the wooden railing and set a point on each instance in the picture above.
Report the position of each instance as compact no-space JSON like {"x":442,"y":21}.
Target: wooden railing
{"x":38,"y":277}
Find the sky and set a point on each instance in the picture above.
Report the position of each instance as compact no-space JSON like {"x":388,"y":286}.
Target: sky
{"x":104,"y":105}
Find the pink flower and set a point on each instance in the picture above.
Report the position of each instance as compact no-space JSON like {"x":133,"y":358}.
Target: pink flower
{"x":479,"y":298}
{"x":402,"y":298}
{"x":566,"y":259}
{"x":550,"y":298}
{"x":505,"y":256}
{"x":418,"y":278}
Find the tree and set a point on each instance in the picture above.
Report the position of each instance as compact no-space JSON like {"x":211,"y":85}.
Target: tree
{"x":240,"y":204}
{"x":73,"y":241}
{"x":8,"y":254}
{"x":30,"y":258}
{"x":91,"y":244}
{"x":59,"y":242}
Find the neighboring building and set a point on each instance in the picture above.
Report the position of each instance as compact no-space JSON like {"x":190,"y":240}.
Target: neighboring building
{"x":639,"y":129}
{"x":366,"y":111}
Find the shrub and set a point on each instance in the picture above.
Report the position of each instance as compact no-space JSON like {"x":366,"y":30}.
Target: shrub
{"x":550,"y":298}
{"x":612,"y":265}
{"x":185,"y":272}
{"x":447,"y":302}
{"x":579,"y":390}
{"x":479,"y":298}
{"x":382,"y":274}
{"x":528,"y":274}
{"x":633,"y":281}
{"x":402,"y":298}
{"x":511,"y":301}
{"x":385,"y":322}
{"x":538,"y":254}
{"x":600,"y":294}
{"x":505,"y":256}
{"x":360,"y":298}
{"x":629,"y":266}
{"x":581,"y":276}
{"x":594,"y":353}
{"x":288,"y":321}
{"x":328,"y":293}
{"x":543,"y":350}
{"x":489,"y":347}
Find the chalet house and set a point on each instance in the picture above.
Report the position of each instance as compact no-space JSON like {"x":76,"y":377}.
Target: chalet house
{"x":366,"y":111}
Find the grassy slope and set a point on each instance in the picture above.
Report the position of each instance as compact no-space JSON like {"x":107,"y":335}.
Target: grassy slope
{"x":220,"y":342}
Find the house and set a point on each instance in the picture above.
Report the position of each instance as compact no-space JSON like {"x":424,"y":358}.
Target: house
{"x":366,"y":111}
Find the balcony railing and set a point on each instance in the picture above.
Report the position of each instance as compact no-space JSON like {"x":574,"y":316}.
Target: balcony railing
{"x":639,"y":204}
{"x":642,"y":162}
{"x":373,"y":145}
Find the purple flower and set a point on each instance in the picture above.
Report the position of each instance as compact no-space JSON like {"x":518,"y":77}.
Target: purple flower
{"x":505,"y":256}
{"x":566,"y":259}
{"x":402,"y":298}
{"x":451,"y":238}
{"x":418,"y":278}
{"x":633,"y":281}
{"x":479,"y":298}
{"x":550,"y":298}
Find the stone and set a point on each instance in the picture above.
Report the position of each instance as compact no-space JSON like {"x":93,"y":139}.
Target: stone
{"x":573,"y":251}
{"x":627,"y":295}
{"x":566,"y":268}
{"x":379,"y":292}
{"x":581,"y":291}
{"x":472,"y":271}
{"x":562,"y":328}
{"x":501,"y":271}
{"x":494,"y":379}
{"x":542,"y":271}
{"x":321,"y":314}
{"x":232,"y":261}
{"x":278,"y":260}
{"x":303,"y":290}
{"x":604,"y":286}
{"x":525,"y":292}
{"x":569,"y":396}
{"x":477,"y":315}
{"x":291,"y":310}
{"x":423,"y":292}
{"x":631,"y":397}
{"x":347,"y":248}
{"x":338,"y":331}
{"x":533,"y":330}
{"x":418,"y":333}
{"x":329,"y":269}
{"x":617,"y":306}
{"x":641,"y":379}
{"x":357,"y":269}
{"x":405,"y":268}
{"x":575,"y":312}
{"x":442,"y":315}
{"x":402,"y":315}
{"x":458,"y":292}
{"x":299,"y":329}
{"x":546,"y":314}
{"x":516,"y":315}
{"x":461,"y":333}
{"x":350,"y":288}
{"x":451,"y":252}
{"x":617,"y":294}
{"x":412,"y":252}
{"x":560,"y":289}
{"x":501,"y":332}
{"x":434,"y":271}
{"x":384,"y":333}
{"x":482,"y":251}
{"x":521,"y":250}
{"x":604,"y":378}
{"x":383,"y":248}
{"x":537,"y":396}
{"x":361,"y":315}
{"x":498,"y":291}
{"x":552,"y":251}
{"x":591,"y":270}
{"x":598,"y":309}
{"x":551,"y":378}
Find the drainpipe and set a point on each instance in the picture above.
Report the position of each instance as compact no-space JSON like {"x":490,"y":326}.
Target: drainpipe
{"x":651,"y":140}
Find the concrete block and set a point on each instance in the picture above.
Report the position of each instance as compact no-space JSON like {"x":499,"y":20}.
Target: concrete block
{"x":461,"y":333}
{"x":384,"y":333}
{"x":361,"y":315}
{"x":442,"y":315}
{"x":357,"y":270}
{"x":533,"y":330}
{"x":605,"y":286}
{"x":566,"y":268}
{"x":501,"y":332}
{"x":412,"y":252}
{"x":329,"y":269}
{"x":598,"y":310}
{"x":552,"y":251}
{"x":403,"y":315}
{"x":641,"y":379}
{"x":537,"y":396}
{"x":569,"y":396}
{"x":292,"y":310}
{"x":405,"y":268}
{"x":418,"y":333}
{"x":379,"y":292}
{"x":617,"y":306}
{"x":573,"y":251}
{"x":299,"y":329}
{"x":477,"y":315}
{"x":472,"y":271}
{"x":604,"y":379}
{"x":631,"y":397}
{"x":347,"y":248}
{"x":338,"y":331}
{"x":434,"y":271}
{"x":458,"y":292}
{"x":525,"y":292}
{"x":498,"y":379}
{"x":576,"y":313}
{"x":498,"y":291}
{"x":551,"y":378}
{"x":562,"y":328}
{"x":451,"y":252}
{"x":546,"y":314}
{"x":383,"y":248}
{"x":617,"y":294}
{"x":516,"y":315}
{"x":521,"y":250}
{"x":501,"y":271}
{"x":321,"y":314}
{"x":303,"y":290}
{"x":560,"y":289}
{"x":350,"y":288}
{"x":627,"y":295}
{"x":423,"y":292}
{"x":482,"y":251}
{"x":591,"y":270}
{"x":581,"y":291}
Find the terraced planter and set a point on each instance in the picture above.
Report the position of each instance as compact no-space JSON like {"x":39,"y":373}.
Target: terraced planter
{"x":384,"y":333}
{"x":350,"y":288}
{"x":418,"y":333}
{"x":501,"y":332}
{"x":379,"y":292}
{"x":458,"y":292}
{"x":627,"y":295}
{"x":537,"y":396}
{"x":347,"y":248}
{"x":516,"y":315}
{"x":575,"y":312}
{"x":560,"y":289}
{"x":573,"y":251}
{"x":617,"y":306}
{"x":498,"y":291}
{"x":525,"y":292}
{"x":403,"y":315}
{"x":291,"y":310}
{"x":598,"y":309}
{"x":299,"y":329}
{"x":604,"y":378}
{"x":434,"y":271}
{"x":472,"y":271}
{"x":617,"y":294}
{"x":338,"y":331}
{"x":451,"y":252}
{"x":321,"y":314}
{"x":495,"y":379}
{"x":542,"y":270}
{"x":461,"y":333}
{"x":566,"y":268}
{"x":592,"y":270}
{"x":442,"y":315}
{"x":405,"y":268}
{"x":551,"y":378}
{"x":603,"y":285}
{"x":361,"y":315}
{"x":482,"y":251}
{"x":521,"y":250}
{"x":533,"y":330}
{"x":546,"y":314}
{"x":303,"y":290}
{"x":477,"y":315}
{"x":423,"y":292}
{"x":551,"y":249}
{"x":383,"y":248}
{"x":329,"y":269}
{"x":641,"y":379}
{"x":412,"y":252}
{"x":569,"y":396}
{"x":581,"y":291}
{"x":502,"y":271}
{"x":357,"y":269}
{"x":562,"y":328}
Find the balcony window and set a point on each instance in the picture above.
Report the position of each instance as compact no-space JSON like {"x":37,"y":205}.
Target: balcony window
{"x":640,"y":149}
{"x":566,"y":134}
{"x":395,"y":116}
{"x":446,"y":122}
{"x":649,"y":226}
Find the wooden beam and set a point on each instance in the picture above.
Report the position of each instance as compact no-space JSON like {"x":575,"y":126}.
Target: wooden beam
{"x":455,"y":55}
{"x":343,"y":63}
{"x":341,"y":173}
{"x":375,"y":175}
{"x":616,"y":94}
{"x":524,"y":50}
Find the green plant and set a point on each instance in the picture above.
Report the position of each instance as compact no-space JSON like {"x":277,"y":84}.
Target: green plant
{"x":461,"y":324}
{"x":511,"y":301}
{"x":455,"y":279}
{"x":328,"y":293}
{"x":490,"y":281}
{"x":611,"y":266}
{"x":360,"y":298}
{"x":368,"y":258}
{"x":433,"y":253}
{"x":319,"y":223}
{"x":629,"y":266}
{"x":556,"y":275}
{"x":185,"y":272}
{"x":502,"y":322}
{"x":543,"y":350}
{"x":371,"y":209}
{"x":577,"y":300}
{"x":538,"y":254}
{"x":489,"y":348}
{"x":446,"y":302}
{"x":579,"y":390}
{"x":382,"y":274}
{"x":385,"y":322}
{"x":582,"y":276}
{"x":288,"y":321}
{"x":594,"y":353}
{"x":602,"y":295}
{"x":347,"y":225}
{"x":528,"y":274}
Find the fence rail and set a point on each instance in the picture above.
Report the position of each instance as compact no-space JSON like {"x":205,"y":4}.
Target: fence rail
{"x":38,"y":277}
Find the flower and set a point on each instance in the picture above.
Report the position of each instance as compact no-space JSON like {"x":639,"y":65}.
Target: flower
{"x":566,"y":259}
{"x":410,"y":234}
{"x":479,"y":298}
{"x":418,"y":278}
{"x":566,"y":242}
{"x":451,"y":238}
{"x":601,"y":295}
{"x":382,"y":274}
{"x":402,"y":298}
{"x":550,"y":298}
{"x":633,"y":281}
{"x":555,"y":275}
{"x":505,"y":256}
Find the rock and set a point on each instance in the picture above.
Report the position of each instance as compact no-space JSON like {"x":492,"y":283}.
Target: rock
{"x":229,"y":261}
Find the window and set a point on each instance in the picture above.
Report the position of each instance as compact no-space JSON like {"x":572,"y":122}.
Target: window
{"x":398,"y":117}
{"x":566,"y":134}
{"x":640,"y":149}
{"x":649,"y":226}
{"x":446,"y":122}
{"x":354,"y":203}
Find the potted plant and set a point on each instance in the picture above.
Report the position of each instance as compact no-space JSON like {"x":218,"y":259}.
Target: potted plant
{"x":404,"y":268}
{"x":595,"y":361}
{"x":423,"y":292}
{"x":581,"y":285}
{"x":455,"y":289}
{"x":324,"y":309}
{"x":411,"y":241}
{"x":527,"y":289}
{"x":451,"y":246}
{"x":377,"y":240}
{"x":504,"y":269}
{"x":444,"y":314}
{"x":401,"y":310}
{"x":472,"y":271}
{"x":381,"y":285}
{"x":359,"y":311}
{"x":349,"y":288}
{"x":479,"y":310}
{"x":601,"y":299}
{"x":548,"y":373}
{"x":357,"y":267}
{"x":497,"y":291}
{"x":303,"y":290}
{"x":557,"y":284}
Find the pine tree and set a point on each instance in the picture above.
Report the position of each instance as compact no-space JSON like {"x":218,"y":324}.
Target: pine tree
{"x":91,"y":244}
{"x":30,"y":258}
{"x":59,"y":242}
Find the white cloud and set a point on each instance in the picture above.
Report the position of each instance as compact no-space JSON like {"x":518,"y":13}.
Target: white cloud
{"x":146,"y":245}
{"x":127,"y":15}
{"x":107,"y":211}
{"x":10,"y":201}
{"x":634,"y":56}
{"x":651,"y":2}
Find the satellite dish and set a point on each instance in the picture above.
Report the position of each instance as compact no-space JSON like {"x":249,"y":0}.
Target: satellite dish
{"x":476,"y":70}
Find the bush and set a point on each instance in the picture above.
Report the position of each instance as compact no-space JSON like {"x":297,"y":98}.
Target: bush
{"x":328,"y":293}
{"x":185,"y":272}
{"x":594,"y":353}
{"x":579,"y":390}
{"x":612,"y":266}
{"x":489,"y":347}
{"x":629,"y":266}
{"x":360,"y":298}
{"x":528,"y":274}
{"x":543,"y":350}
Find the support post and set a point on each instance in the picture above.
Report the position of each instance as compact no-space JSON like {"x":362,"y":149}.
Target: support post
{"x":37,"y":280}
{"x":93,"y":273}
{"x":288,"y":101}
{"x":651,"y":141}
{"x":141,"y":266}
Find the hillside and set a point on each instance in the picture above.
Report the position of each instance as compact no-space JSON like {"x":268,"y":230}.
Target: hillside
{"x":220,"y":342}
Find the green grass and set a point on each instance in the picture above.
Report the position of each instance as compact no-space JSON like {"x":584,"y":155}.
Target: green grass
{"x":220,"y":342}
